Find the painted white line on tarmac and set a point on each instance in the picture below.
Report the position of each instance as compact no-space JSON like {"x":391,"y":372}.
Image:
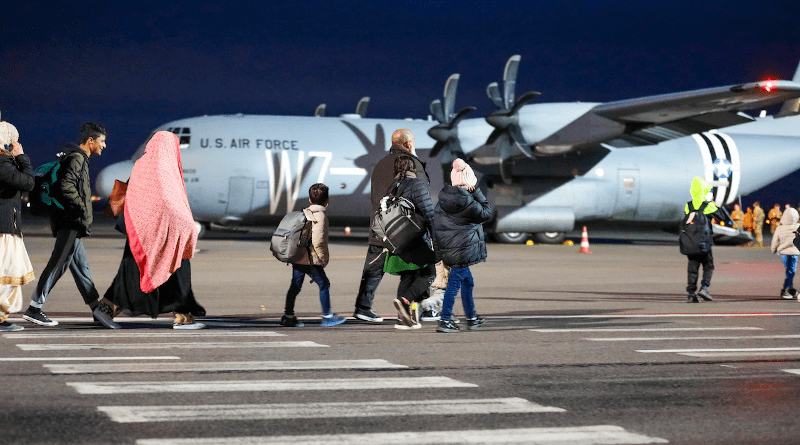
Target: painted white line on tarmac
{"x":147,"y":334}
{"x":581,"y":435}
{"x":792,"y":371}
{"x":742,"y":354}
{"x":742,"y":337}
{"x":691,"y":351}
{"x":644,"y":329}
{"x":190,"y":345}
{"x":77,"y":359}
{"x":667,"y":315}
{"x":280,"y":411}
{"x":222,"y":366}
{"x":266,"y":385}
{"x":90,"y":319}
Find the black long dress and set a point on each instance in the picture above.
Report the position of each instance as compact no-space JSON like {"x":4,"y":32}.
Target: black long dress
{"x":175,"y":295}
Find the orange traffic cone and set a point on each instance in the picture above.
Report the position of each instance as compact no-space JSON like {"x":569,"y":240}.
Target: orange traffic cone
{"x":585,"y":242}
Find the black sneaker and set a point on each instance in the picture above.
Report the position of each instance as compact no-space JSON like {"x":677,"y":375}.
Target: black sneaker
{"x":367,"y":315}
{"x":447,"y":326}
{"x":692,"y":298}
{"x":403,"y":310}
{"x":290,"y":321}
{"x":8,"y":327}
{"x":102,"y":318}
{"x":704,"y":294}
{"x":35,"y":315}
{"x":430,"y":315}
{"x":475,"y":323}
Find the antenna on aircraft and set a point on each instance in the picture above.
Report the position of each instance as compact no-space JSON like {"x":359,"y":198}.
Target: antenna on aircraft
{"x":446,"y":133}
{"x":361,"y":108}
{"x":506,"y":119}
{"x":320,"y":111}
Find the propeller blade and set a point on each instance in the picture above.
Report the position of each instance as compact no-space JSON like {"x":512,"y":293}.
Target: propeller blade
{"x":450,"y":96}
{"x":506,"y":170}
{"x":436,"y":111}
{"x":461,"y":115}
{"x":320,"y":111}
{"x":493,"y":137}
{"x":493,"y":91}
{"x":436,"y":149}
{"x":510,"y":80}
{"x":519,"y":141}
{"x":361,"y":108}
{"x":525,"y":98}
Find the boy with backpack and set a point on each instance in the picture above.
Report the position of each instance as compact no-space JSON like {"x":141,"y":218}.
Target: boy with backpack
{"x":459,"y":216}
{"x":313,"y":257}
{"x":696,"y":240}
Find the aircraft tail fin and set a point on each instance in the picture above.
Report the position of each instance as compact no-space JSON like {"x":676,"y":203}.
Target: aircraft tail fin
{"x":791,"y":107}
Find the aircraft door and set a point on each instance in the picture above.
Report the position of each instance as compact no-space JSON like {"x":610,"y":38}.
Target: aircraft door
{"x":627,"y":194}
{"x":240,"y":195}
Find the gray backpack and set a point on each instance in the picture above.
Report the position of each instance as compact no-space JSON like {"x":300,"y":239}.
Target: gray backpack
{"x":291,"y":238}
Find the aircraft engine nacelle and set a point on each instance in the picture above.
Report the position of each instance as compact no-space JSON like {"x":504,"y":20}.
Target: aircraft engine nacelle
{"x":535,"y":219}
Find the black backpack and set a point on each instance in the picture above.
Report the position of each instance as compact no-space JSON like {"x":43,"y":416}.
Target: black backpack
{"x":41,"y":199}
{"x":695,"y":232}
{"x":397,"y":222}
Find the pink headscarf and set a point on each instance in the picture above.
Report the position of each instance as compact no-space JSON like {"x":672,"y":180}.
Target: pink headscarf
{"x":161,"y":230}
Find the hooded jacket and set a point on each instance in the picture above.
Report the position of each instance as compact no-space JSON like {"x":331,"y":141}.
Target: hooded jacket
{"x":783,"y":238}
{"x":699,"y":189}
{"x":74,"y":192}
{"x":458,"y":221}
{"x":16,"y":175}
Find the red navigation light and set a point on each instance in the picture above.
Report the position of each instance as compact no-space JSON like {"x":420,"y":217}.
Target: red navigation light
{"x":768,"y":86}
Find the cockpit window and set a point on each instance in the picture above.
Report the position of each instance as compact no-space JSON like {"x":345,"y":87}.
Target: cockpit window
{"x":183,"y":134}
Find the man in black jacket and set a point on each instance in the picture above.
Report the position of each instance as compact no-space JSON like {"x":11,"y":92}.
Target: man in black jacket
{"x":74,"y":192}
{"x":382,"y":177}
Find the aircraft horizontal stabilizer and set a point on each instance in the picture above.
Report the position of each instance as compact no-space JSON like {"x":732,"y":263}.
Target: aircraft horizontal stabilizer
{"x":613,"y":119}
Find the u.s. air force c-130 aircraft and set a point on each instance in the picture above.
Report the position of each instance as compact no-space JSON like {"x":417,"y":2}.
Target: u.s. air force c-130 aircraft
{"x":545,"y":167}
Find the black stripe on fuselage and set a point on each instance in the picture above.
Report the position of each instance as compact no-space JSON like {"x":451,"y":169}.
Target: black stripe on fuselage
{"x":713,"y":154}
{"x":730,"y":177}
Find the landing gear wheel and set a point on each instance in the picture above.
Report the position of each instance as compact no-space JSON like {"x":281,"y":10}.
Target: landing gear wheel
{"x":511,"y":237}
{"x":550,"y":237}
{"x":202,"y":228}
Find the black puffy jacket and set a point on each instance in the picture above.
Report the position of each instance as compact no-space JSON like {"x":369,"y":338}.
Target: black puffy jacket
{"x":458,"y":220}
{"x":16,"y":175}
{"x":416,"y":191}
{"x":74,"y":192}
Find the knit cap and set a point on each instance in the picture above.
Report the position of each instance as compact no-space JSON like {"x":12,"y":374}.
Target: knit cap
{"x":462,"y":175}
{"x":8,"y":134}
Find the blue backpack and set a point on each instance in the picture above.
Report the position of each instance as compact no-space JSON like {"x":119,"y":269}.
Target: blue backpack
{"x":41,"y":199}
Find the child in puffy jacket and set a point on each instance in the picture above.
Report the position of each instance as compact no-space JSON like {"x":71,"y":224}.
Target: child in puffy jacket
{"x":783,"y":245}
{"x":459,"y":215}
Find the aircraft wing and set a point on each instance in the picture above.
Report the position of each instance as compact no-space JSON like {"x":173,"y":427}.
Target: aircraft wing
{"x":685,"y":113}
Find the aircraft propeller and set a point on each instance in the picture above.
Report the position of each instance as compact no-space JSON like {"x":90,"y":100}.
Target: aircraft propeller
{"x":446,"y":133}
{"x":506,"y":120}
{"x":320,"y":111}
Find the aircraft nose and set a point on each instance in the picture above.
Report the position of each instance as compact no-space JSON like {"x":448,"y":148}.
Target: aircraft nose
{"x":105,"y":179}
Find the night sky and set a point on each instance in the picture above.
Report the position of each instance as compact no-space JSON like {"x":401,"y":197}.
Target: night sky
{"x":133,"y":66}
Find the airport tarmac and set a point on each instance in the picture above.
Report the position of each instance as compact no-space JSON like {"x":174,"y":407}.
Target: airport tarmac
{"x":582,"y":349}
{"x":234,"y":274}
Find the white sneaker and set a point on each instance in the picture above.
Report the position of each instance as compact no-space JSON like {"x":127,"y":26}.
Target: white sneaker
{"x":195,"y":325}
{"x":406,"y":327}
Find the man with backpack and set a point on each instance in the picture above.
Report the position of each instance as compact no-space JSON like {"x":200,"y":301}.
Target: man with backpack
{"x":696,"y":240}
{"x":73,"y":191}
{"x":382,"y":177}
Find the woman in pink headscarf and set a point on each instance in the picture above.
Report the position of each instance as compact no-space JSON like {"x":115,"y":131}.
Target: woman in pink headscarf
{"x":154,"y":276}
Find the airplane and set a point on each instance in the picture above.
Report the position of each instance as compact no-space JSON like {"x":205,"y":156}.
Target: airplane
{"x":544,"y":167}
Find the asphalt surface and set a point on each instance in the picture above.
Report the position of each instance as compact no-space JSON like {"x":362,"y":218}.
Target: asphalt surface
{"x":598,"y":348}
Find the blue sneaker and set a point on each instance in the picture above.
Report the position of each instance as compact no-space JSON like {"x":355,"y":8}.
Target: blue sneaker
{"x":331,"y":320}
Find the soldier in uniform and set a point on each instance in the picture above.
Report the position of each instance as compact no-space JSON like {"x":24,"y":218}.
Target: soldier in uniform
{"x":738,"y":217}
{"x":747,"y":220}
{"x":758,"y":223}
{"x":774,"y":218}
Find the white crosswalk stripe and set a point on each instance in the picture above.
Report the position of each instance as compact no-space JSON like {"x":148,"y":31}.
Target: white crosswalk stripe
{"x":742,"y":337}
{"x":187,"y":345}
{"x":582,"y":435}
{"x":131,"y":414}
{"x":77,"y":359}
{"x":266,"y":385}
{"x":710,"y":350}
{"x":221,"y":366}
{"x":565,"y":330}
{"x":792,"y":371}
{"x":153,"y":333}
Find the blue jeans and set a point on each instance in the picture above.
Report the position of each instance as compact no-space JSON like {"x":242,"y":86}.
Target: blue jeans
{"x":460,"y":278}
{"x":790,"y":263}
{"x":317,"y":274}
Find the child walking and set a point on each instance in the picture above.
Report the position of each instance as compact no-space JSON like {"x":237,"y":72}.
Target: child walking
{"x":783,"y":245}
{"x":313,"y":261}
{"x":458,"y":219}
